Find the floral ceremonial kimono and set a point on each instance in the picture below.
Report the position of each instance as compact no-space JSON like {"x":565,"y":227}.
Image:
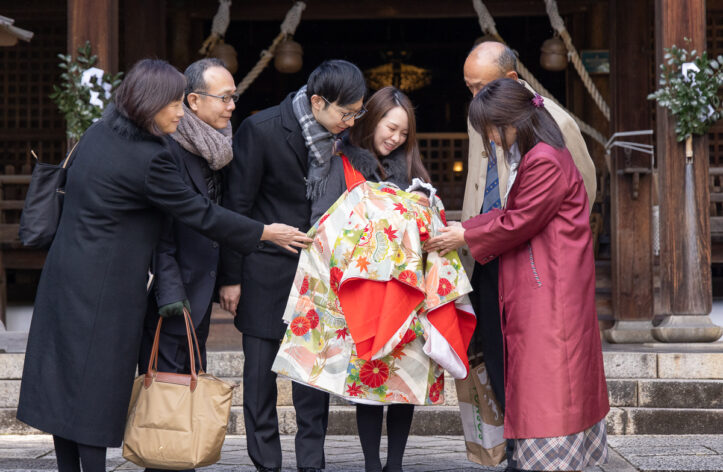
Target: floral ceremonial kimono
{"x":369,"y":319}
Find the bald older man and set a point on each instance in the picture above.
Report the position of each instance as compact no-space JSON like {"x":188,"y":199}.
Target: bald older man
{"x":486,"y":188}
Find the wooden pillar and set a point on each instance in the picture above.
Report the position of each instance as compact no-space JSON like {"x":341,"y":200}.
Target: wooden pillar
{"x":95,"y":21}
{"x":686,"y":297}
{"x":630,"y":195}
{"x":144,"y":31}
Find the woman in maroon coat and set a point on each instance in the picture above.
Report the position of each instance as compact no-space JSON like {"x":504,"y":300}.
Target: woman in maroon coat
{"x":555,"y":390}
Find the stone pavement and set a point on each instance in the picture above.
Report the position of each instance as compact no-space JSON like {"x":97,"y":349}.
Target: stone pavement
{"x":702,"y":453}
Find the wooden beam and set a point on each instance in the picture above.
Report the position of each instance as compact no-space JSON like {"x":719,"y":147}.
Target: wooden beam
{"x":24,"y":258}
{"x":9,"y":233}
{"x":95,"y":21}
{"x":382,"y":9}
{"x":684,"y":237}
{"x":631,"y":233}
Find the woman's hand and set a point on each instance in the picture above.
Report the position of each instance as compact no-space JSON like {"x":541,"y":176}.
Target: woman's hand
{"x":285,"y":236}
{"x":452,"y":238}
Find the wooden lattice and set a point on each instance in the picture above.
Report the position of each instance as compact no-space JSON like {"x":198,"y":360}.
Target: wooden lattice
{"x":440,"y":152}
{"x":28,"y":118}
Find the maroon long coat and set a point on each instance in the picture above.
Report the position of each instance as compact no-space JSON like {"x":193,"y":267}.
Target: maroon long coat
{"x":554,"y":378}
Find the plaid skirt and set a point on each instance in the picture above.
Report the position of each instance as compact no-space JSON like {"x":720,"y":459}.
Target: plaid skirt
{"x":573,"y":452}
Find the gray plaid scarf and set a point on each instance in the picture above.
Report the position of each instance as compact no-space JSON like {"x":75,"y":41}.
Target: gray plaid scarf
{"x":199,"y":138}
{"x":319,"y":142}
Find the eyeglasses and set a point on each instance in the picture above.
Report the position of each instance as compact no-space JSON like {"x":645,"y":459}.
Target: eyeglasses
{"x":223,"y":98}
{"x":346,"y":116}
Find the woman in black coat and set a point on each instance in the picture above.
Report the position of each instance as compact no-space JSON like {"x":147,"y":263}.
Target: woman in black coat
{"x":89,"y":309}
{"x":382,"y":147}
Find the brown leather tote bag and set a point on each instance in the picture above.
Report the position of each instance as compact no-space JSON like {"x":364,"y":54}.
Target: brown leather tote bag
{"x":177,"y":421}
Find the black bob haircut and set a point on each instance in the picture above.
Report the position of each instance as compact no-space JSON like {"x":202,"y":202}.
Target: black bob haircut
{"x":338,"y":81}
{"x":147,"y":88}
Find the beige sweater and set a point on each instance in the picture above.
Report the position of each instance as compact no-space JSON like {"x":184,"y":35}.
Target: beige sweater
{"x":477,"y":168}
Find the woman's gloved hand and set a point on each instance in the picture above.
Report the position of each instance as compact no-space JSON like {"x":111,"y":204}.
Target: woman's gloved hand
{"x":174,"y":309}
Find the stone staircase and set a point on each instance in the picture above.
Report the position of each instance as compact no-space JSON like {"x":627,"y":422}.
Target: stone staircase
{"x":659,"y":389}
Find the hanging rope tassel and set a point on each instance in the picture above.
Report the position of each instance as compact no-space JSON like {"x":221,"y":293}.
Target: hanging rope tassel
{"x":288,"y":27}
{"x":559,"y":26}
{"x":487,"y":23}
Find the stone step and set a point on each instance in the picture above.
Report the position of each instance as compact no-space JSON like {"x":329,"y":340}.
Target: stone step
{"x":665,"y":421}
{"x":635,"y":379}
{"x":618,"y":364}
{"x":10,"y":391}
{"x":445,"y":420}
{"x":664,"y":393}
{"x":647,"y":393}
{"x":663,"y":365}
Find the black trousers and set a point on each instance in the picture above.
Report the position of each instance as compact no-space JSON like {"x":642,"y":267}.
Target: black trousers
{"x":487,"y":336}
{"x":261,"y":420}
{"x":71,"y":455}
{"x":173,"y":352}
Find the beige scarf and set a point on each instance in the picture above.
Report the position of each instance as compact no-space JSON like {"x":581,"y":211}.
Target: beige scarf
{"x":199,"y":138}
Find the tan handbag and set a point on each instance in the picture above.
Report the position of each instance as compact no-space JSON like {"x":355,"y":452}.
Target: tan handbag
{"x":177,"y":421}
{"x":482,"y":418}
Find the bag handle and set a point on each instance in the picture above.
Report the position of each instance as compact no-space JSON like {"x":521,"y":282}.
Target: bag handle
{"x":152,"y":371}
{"x":67,"y":159}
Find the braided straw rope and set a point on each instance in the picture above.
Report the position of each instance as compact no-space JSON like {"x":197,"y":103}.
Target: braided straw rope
{"x":559,"y":26}
{"x":487,"y":23}
{"x":221,"y":20}
{"x":288,"y":27}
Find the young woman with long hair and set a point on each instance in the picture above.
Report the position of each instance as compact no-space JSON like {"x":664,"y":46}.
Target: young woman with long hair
{"x":382,"y":147}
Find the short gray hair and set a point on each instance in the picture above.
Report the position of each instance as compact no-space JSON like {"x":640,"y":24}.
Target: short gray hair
{"x":194,"y":73}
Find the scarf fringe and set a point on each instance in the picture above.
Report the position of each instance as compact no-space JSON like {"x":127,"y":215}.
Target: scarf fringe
{"x":315,"y":188}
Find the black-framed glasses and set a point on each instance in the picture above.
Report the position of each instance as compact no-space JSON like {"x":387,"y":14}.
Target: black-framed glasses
{"x":224,"y":98}
{"x":346,"y":116}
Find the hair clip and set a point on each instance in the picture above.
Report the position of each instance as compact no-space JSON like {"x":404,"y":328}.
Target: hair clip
{"x":538,"y":101}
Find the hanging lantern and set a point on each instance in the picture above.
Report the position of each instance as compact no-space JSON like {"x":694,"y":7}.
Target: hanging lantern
{"x":554,"y":55}
{"x":227,"y":54}
{"x":288,"y":57}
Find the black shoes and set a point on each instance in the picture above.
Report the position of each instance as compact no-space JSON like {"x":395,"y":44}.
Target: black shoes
{"x":309,"y":469}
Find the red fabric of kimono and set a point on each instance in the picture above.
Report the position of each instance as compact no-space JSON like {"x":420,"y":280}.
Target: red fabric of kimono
{"x":375,"y":310}
{"x":554,"y":378}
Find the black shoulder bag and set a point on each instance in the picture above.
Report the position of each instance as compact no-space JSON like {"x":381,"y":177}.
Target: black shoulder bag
{"x":43,"y":203}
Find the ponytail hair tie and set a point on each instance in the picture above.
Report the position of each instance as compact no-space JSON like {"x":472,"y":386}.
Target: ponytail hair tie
{"x":538,"y":101}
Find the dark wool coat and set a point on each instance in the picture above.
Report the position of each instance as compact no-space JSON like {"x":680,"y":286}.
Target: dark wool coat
{"x":395,"y":168}
{"x":186,"y":261}
{"x":91,"y":301}
{"x":266,"y":181}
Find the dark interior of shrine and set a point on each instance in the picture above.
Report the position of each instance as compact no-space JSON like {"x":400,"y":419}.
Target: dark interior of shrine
{"x":438,"y":45}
